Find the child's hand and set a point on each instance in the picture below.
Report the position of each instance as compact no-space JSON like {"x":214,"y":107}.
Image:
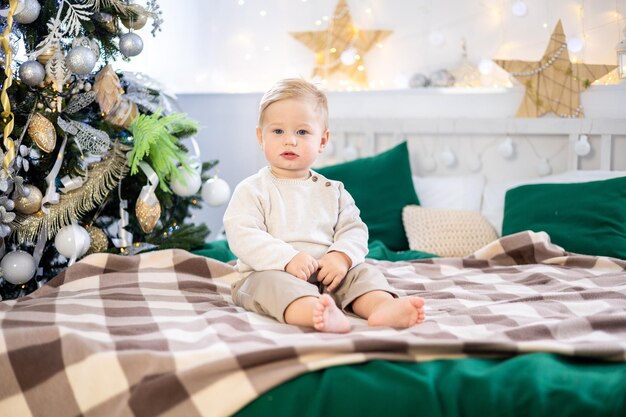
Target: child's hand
{"x":333,"y":268}
{"x":302,"y":266}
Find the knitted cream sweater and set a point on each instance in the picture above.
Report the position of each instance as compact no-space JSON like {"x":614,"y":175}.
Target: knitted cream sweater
{"x":269,"y":220}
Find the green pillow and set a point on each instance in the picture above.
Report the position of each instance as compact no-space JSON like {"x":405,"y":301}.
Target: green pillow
{"x":587,"y":218}
{"x":381,"y":186}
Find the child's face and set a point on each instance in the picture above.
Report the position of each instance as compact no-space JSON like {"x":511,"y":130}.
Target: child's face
{"x":292,"y":136}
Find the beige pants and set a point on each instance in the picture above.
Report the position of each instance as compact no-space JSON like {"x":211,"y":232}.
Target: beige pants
{"x":271,"y":292}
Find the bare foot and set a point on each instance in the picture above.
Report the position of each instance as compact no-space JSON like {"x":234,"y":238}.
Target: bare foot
{"x":399,"y":313}
{"x":327,"y":317}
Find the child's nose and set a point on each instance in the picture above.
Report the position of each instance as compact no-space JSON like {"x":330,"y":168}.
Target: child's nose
{"x":291,"y":139}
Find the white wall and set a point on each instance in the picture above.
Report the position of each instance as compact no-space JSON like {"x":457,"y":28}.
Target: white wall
{"x":221,"y":46}
{"x":219,"y":55}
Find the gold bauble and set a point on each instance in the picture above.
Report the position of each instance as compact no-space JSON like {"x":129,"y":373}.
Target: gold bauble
{"x":106,"y":20}
{"x":29,"y":204}
{"x":136,"y":18}
{"x":124,"y":113}
{"x":147,"y":215}
{"x":41,"y":131}
{"x":48,"y":53}
{"x":99,"y":240}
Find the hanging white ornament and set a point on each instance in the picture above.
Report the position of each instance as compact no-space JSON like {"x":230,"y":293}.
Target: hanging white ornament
{"x":215,"y":191}
{"x":18,"y":267}
{"x":575,"y":44}
{"x":349,"y":153}
{"x":81,"y":60}
{"x":29,"y":13}
{"x":543,"y":167}
{"x":130,"y":44}
{"x":72,"y":241}
{"x":582,"y":147}
{"x":187,"y":183}
{"x":447,"y":157}
{"x":507,"y":148}
{"x":348,"y":57}
{"x":519,"y":9}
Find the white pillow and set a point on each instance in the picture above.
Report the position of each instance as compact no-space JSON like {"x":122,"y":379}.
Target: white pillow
{"x":452,"y":192}
{"x":493,"y":198}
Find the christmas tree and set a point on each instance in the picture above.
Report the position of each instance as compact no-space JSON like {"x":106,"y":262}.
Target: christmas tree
{"x":92,"y":159}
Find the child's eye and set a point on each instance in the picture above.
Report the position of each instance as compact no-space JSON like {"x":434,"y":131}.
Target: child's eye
{"x":278,"y":131}
{"x":302,"y":132}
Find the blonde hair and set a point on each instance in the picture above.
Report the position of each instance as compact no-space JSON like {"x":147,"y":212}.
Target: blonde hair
{"x":295,"y":88}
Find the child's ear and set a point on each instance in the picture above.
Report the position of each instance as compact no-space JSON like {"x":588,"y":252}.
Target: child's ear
{"x":259,"y":136}
{"x":324,"y":141}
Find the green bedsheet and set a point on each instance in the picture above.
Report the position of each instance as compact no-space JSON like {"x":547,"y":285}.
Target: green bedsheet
{"x":538,"y":384}
{"x":220,"y":250}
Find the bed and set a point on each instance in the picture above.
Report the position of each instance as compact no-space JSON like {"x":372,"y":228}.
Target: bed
{"x":521,"y":325}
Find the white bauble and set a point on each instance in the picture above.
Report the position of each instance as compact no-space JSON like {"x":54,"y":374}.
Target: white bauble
{"x":187,"y":184}
{"x":29,"y":13}
{"x":215,"y":192}
{"x":72,"y":241}
{"x":348,"y":57}
{"x":18,"y":267}
{"x":519,"y":9}
{"x":447,"y":158}
{"x":543,"y":167}
{"x":582,"y":147}
{"x":575,"y":44}
{"x":507,"y":148}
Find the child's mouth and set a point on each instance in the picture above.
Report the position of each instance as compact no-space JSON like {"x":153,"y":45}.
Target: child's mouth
{"x":289,"y":155}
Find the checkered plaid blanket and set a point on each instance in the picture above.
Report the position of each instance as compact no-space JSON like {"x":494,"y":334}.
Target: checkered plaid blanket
{"x":158,"y":335}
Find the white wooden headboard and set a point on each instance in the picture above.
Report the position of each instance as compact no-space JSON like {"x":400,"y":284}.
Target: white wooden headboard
{"x":476,"y":144}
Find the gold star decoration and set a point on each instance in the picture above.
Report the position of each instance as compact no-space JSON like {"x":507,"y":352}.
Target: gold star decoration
{"x":341,"y":47}
{"x":554,"y":83}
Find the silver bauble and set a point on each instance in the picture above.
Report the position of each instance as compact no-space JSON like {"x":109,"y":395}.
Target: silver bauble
{"x":32,"y":73}
{"x":441,"y":78}
{"x":81,"y":60}
{"x":29,"y":13}
{"x":418,"y":80}
{"x":131,"y":44}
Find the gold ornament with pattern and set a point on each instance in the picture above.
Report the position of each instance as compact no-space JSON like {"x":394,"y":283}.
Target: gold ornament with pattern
{"x":31,"y":203}
{"x":124,"y":114}
{"x":99,"y":240}
{"x":147,"y":215}
{"x":42,"y":132}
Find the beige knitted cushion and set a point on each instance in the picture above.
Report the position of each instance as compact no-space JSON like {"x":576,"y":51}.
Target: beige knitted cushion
{"x":448,"y":233}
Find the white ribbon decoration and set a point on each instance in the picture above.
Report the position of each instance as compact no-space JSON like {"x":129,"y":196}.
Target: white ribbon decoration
{"x":51,"y":196}
{"x":70,"y":184}
{"x":147,"y":192}
{"x":124,"y":237}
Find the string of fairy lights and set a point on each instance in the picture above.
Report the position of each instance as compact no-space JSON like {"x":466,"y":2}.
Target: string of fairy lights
{"x":441,"y":34}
